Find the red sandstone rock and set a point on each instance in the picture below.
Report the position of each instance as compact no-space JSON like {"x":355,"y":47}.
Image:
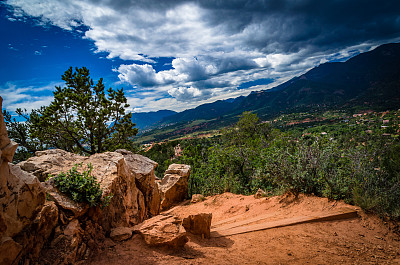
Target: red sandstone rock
{"x":198,"y":224}
{"x":162,"y":231}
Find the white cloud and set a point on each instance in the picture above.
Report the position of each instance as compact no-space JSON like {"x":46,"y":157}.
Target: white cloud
{"x":185,"y":93}
{"x":15,"y":96}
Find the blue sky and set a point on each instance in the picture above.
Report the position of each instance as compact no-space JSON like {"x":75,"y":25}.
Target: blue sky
{"x":177,"y":54}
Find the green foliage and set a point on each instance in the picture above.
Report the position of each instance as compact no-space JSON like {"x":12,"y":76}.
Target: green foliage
{"x":19,"y":132}
{"x":81,"y":187}
{"x":331,"y":154}
{"x":336,"y":160}
{"x":83,"y":118}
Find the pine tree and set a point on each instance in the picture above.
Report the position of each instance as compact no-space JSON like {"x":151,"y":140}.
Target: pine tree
{"x":83,"y":118}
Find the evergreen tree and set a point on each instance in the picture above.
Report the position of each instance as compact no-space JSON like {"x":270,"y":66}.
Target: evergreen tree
{"x":83,"y":118}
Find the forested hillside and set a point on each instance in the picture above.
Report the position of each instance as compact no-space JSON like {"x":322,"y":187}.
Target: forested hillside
{"x":355,"y":158}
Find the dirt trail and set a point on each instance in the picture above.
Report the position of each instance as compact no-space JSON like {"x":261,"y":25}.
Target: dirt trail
{"x":361,"y":240}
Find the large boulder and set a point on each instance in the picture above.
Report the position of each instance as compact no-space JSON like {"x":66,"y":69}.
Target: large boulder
{"x":162,"y":230}
{"x":143,"y":170}
{"x":174,"y":185}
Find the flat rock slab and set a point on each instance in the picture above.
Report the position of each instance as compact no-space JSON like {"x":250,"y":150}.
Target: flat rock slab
{"x":344,"y":213}
{"x":221,"y":226}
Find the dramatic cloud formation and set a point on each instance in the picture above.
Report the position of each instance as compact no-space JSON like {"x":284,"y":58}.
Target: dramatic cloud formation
{"x":216,"y":46}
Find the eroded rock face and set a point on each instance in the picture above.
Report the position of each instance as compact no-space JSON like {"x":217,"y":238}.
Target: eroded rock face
{"x":198,"y":224}
{"x":35,"y":236}
{"x":163,"y":230}
{"x":111,"y":171}
{"x":9,"y":250}
{"x":21,"y":199}
{"x":174,"y":185}
{"x":128,"y":177}
{"x":143,"y":170}
{"x":50,"y":162}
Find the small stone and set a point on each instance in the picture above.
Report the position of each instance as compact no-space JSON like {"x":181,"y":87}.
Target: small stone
{"x":260,"y":193}
{"x":121,"y":233}
{"x":197,"y":198}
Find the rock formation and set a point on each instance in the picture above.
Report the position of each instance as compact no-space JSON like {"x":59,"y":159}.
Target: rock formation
{"x":28,"y":221}
{"x":143,"y":170}
{"x":128,"y":177}
{"x":23,"y":213}
{"x":174,"y":185}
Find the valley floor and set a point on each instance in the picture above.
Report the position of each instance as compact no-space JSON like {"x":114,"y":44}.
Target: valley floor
{"x":361,"y":240}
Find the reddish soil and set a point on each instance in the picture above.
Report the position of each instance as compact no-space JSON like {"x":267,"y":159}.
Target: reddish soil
{"x":362,"y":240}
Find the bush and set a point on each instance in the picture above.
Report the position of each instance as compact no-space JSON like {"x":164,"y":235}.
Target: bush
{"x":81,"y":187}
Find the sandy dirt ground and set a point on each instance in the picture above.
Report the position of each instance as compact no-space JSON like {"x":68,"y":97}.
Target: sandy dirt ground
{"x":362,"y":240}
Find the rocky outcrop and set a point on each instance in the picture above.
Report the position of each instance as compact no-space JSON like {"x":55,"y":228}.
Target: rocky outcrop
{"x":174,"y":185}
{"x":21,"y":199}
{"x":163,"y":230}
{"x":128,"y":177}
{"x":143,"y":170}
{"x":131,"y":181}
{"x":198,"y":224}
{"x":50,"y":162}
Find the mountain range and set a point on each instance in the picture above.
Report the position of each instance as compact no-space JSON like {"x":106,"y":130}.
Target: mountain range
{"x":368,"y":80}
{"x":145,"y":120}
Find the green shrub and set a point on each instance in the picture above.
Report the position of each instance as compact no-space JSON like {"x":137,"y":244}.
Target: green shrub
{"x":81,"y":187}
